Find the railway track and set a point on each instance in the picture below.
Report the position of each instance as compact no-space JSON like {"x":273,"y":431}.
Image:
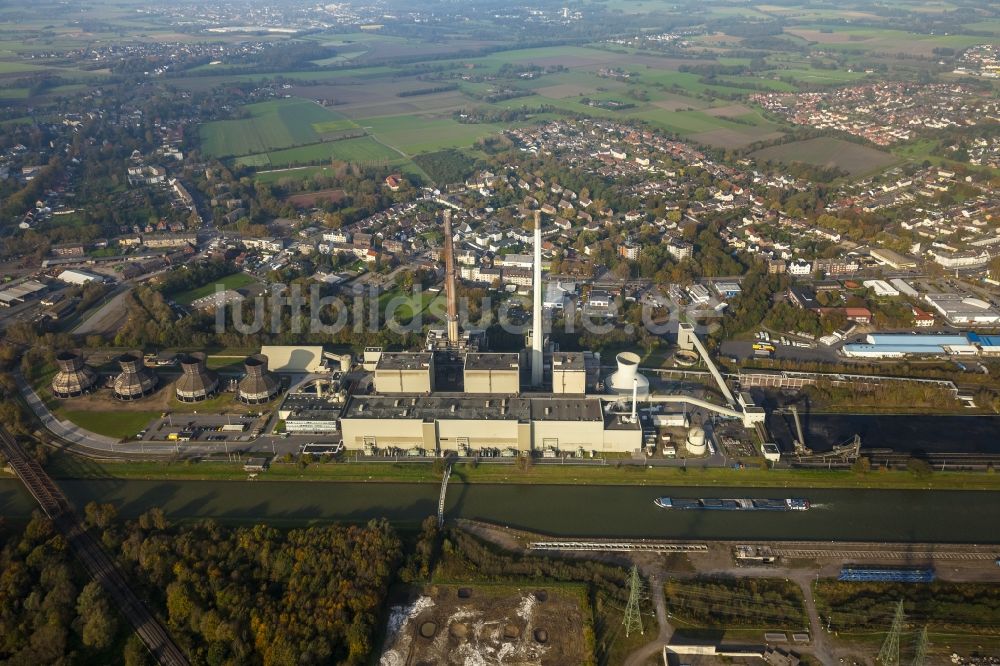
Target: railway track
{"x":89,"y":551}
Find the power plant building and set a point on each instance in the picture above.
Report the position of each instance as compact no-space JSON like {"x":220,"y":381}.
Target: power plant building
{"x":492,"y":373}
{"x":135,"y":380}
{"x":197,"y":382}
{"x":454,"y":422}
{"x":74,"y":377}
{"x":405,"y":372}
{"x":258,"y":384}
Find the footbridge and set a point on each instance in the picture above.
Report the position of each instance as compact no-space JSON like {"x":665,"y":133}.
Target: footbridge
{"x":443,"y":495}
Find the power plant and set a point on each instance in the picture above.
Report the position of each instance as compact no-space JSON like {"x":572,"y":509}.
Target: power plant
{"x":456,"y":395}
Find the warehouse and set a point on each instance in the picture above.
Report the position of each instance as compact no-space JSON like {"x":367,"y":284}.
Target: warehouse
{"x":898,"y":345}
{"x":963,"y":310}
{"x":74,"y":276}
{"x":20,"y":293}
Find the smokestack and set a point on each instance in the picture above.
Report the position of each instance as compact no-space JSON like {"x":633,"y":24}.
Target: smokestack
{"x":449,"y":281}
{"x":635,"y":396}
{"x":537,"y":335}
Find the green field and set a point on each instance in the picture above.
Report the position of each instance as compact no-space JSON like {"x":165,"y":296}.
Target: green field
{"x":234,"y":281}
{"x":628,"y":475}
{"x":271,"y":126}
{"x":119,"y":424}
{"x":363,"y":149}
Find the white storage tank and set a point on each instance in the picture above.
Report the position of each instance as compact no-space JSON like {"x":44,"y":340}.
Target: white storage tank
{"x":696,"y":444}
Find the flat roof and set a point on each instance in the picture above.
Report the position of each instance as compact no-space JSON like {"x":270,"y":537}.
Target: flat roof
{"x":404,"y":361}
{"x":473,"y":407}
{"x":430,"y":408}
{"x":492,"y":361}
{"x":568,"y":361}
{"x":916,"y":340}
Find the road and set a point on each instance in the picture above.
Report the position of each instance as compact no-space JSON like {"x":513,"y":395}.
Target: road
{"x":91,"y":553}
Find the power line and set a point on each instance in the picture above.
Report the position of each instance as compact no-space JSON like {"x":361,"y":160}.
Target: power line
{"x":889,"y":654}
{"x":922,"y":643}
{"x":633,"y":619}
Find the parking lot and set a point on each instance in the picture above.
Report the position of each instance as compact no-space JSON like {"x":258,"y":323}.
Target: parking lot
{"x":204,"y":428}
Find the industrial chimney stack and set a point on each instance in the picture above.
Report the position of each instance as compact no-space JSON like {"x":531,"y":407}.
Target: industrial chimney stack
{"x":537,"y":334}
{"x":449,"y":281}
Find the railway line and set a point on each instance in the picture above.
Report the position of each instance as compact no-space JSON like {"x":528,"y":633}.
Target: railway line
{"x":90,"y":552}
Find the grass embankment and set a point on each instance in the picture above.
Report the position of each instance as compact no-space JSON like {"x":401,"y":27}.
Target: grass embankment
{"x":418,"y":472}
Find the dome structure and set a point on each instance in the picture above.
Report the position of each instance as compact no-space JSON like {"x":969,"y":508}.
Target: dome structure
{"x":135,"y":380}
{"x":258,"y":385}
{"x":627,"y":376}
{"x":74,"y":377}
{"x":196,"y":382}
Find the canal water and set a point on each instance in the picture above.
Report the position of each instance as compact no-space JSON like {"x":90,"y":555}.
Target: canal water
{"x":913,"y":433}
{"x":595,"y":511}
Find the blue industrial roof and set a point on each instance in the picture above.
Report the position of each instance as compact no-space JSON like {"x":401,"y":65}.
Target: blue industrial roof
{"x":915,"y":575}
{"x":985,"y":340}
{"x":898,"y":349}
{"x":911,"y":339}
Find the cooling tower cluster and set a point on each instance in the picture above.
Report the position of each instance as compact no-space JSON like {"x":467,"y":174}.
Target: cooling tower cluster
{"x":135,"y":380}
{"x":196,"y":382}
{"x":258,"y":385}
{"x":74,"y":377}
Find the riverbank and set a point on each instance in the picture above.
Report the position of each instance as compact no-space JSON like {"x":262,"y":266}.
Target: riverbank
{"x":71,"y":467}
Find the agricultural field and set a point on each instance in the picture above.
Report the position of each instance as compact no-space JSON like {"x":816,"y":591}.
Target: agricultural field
{"x":271,"y":125}
{"x":363,"y":149}
{"x":853,"y":158}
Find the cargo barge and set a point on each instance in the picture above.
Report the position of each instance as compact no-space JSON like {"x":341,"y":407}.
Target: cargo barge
{"x":739,"y":504}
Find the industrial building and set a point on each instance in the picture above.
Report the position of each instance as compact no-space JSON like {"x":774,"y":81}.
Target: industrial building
{"x":20,"y":293}
{"x":496,"y":373}
{"x":77,"y":277}
{"x":197,"y":382}
{"x":294,"y":358}
{"x":258,"y":384}
{"x":135,"y":380}
{"x":474,"y":422}
{"x":313,"y":408}
{"x":898,"y":345}
{"x":963,"y":310}
{"x":74,"y":377}
{"x":404,"y":372}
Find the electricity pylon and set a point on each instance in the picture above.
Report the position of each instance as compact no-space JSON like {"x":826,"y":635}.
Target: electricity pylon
{"x":921,"y":656}
{"x":889,"y":654}
{"x":633,"y":619}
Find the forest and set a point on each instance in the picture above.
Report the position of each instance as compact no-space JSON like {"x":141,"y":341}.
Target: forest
{"x":229,"y":595}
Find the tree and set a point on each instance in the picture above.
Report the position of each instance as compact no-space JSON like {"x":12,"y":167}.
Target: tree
{"x":98,"y":624}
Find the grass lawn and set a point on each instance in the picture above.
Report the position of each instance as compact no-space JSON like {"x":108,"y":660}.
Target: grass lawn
{"x":420,"y":472}
{"x":234,"y":281}
{"x":119,"y":424}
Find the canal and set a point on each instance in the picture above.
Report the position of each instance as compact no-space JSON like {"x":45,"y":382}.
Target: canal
{"x":596,"y":511}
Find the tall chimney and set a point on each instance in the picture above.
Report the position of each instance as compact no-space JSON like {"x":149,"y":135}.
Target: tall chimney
{"x":449,"y":281}
{"x":537,"y":334}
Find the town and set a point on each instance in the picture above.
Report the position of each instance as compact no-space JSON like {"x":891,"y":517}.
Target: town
{"x":591,"y":333}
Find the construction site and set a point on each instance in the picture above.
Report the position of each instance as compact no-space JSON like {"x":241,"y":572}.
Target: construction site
{"x":488,"y":625}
